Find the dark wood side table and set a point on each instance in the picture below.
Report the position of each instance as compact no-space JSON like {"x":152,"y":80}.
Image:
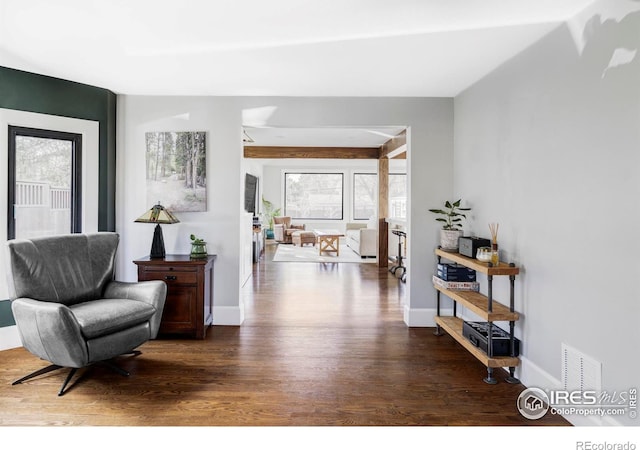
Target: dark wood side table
{"x":188,"y":309}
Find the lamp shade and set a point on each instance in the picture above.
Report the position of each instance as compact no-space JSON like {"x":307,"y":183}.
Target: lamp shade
{"x":157,"y":214}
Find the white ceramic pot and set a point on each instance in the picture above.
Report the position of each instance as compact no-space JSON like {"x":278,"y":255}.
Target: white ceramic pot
{"x":449,"y":240}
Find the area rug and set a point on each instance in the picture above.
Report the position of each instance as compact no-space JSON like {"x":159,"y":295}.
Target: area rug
{"x":294,"y":253}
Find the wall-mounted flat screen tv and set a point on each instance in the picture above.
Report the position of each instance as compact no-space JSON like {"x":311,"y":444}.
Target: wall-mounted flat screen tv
{"x":250,"y":193}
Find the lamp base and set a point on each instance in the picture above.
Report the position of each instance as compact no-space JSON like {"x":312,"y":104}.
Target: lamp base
{"x":157,"y":246}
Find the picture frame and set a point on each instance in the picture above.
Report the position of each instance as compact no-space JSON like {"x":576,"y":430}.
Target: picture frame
{"x":175,"y":170}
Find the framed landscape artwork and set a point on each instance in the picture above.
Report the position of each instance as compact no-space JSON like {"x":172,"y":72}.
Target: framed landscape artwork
{"x":176,"y":170}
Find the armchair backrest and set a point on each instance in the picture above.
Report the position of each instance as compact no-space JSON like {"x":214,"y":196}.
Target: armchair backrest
{"x":284,"y":220}
{"x":355,"y":225}
{"x":65,"y":269}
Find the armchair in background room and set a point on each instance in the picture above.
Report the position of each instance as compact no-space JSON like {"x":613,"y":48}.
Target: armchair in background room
{"x":283,"y":229}
{"x":69,"y":309}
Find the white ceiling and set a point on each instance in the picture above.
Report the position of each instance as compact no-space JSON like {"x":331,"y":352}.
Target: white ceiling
{"x":433,"y":48}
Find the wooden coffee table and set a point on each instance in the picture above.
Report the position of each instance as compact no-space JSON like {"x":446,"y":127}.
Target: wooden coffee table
{"x":328,"y":241}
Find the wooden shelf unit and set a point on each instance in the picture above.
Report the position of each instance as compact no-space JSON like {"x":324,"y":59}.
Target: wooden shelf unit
{"x":484,"y":306}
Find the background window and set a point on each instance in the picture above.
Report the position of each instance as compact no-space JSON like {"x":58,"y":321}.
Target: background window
{"x":313,"y":195}
{"x":365,"y":195}
{"x":44,"y":183}
{"x":398,"y":196}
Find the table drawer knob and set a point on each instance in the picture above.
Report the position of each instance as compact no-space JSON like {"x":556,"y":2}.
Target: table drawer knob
{"x":170,"y":277}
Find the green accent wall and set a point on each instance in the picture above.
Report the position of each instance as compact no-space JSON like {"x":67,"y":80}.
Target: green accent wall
{"x":6,"y":317}
{"x":31,"y":92}
{"x":25,"y":91}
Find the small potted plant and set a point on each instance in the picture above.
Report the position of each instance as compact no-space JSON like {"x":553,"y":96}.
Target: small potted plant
{"x":198,"y":248}
{"x":269,"y":213}
{"x":452,"y":228}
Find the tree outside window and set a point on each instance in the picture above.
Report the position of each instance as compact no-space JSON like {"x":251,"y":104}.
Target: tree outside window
{"x":365,"y":195}
{"x":314,"y":196}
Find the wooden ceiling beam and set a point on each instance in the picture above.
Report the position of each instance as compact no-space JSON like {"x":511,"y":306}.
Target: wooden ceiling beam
{"x":254,"y":151}
{"x":394,"y":147}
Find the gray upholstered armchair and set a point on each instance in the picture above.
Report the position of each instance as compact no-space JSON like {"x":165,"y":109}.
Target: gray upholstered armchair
{"x":68,"y":308}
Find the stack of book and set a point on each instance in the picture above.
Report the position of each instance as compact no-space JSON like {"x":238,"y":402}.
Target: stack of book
{"x":456,"y":277}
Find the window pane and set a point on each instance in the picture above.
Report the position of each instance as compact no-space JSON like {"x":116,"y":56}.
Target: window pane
{"x":313,"y":195}
{"x":365,"y":195}
{"x":398,"y":196}
{"x":43,"y":184}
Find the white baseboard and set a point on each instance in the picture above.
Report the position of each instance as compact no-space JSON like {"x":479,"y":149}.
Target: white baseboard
{"x":423,"y":317}
{"x":9,"y":338}
{"x":228,"y":315}
{"x":418,"y":317}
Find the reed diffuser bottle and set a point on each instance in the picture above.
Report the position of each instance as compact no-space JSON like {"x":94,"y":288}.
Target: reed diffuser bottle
{"x":495,"y":258}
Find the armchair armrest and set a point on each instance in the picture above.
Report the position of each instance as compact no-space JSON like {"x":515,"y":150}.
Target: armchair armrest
{"x":368,"y":240}
{"x":278,"y":232}
{"x":355,"y":226}
{"x":368,"y":232}
{"x":49,"y":330}
{"x":153,"y":292}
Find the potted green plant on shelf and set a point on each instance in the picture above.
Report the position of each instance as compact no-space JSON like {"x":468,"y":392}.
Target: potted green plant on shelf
{"x":269,"y":213}
{"x":452,"y":217}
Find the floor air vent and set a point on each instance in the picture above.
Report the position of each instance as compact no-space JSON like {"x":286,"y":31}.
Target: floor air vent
{"x":579,"y":371}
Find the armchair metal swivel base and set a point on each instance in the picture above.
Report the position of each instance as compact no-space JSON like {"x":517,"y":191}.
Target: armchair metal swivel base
{"x":68,"y":308}
{"x":72,"y":372}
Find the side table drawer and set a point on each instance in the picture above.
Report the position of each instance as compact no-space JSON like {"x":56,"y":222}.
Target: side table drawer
{"x":171,"y":276}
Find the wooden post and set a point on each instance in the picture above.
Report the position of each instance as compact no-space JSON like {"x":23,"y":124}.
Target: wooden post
{"x":383,"y":212}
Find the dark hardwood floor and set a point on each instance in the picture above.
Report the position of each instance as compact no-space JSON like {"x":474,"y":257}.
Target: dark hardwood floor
{"x":322,"y":344}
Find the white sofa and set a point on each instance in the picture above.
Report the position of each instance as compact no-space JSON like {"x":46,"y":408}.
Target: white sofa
{"x":361,"y":239}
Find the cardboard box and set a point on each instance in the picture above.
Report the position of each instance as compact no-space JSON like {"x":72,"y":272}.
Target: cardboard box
{"x":457,"y":285}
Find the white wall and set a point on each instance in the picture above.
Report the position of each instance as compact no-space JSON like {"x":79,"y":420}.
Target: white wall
{"x":219,"y":226}
{"x":430,"y":158}
{"x":549,"y":146}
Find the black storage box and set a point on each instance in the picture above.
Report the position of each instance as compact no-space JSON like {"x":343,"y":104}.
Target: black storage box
{"x":469,"y":245}
{"x":478,"y":332}
{"x":455,"y":272}
{"x":457,"y":277}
